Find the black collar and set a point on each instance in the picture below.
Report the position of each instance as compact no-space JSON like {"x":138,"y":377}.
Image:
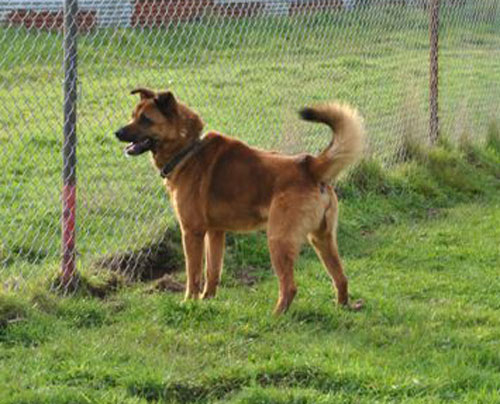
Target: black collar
{"x":189,"y":151}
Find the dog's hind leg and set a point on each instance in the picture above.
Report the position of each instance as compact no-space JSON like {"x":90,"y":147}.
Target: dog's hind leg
{"x":291,"y":217}
{"x":326,"y":248}
{"x":324,"y":241}
{"x":283,"y":254}
{"x":193,"y":243}
{"x":283,"y":234}
{"x":214,"y":247}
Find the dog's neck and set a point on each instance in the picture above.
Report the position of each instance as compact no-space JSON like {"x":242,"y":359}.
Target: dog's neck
{"x":164,"y":151}
{"x":167,"y":157}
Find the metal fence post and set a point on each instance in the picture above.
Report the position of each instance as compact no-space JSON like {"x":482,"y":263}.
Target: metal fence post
{"x":69,"y":144}
{"x":434,"y":70}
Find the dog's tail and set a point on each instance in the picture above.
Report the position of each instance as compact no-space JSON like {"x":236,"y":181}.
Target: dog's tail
{"x":347,"y":143}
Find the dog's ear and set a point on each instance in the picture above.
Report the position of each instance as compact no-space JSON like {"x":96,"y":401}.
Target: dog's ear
{"x":143,"y":92}
{"x":166,"y":103}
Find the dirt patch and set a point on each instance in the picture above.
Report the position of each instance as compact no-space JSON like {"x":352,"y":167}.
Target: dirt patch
{"x":433,"y":213}
{"x":167,"y":284}
{"x":149,"y":262}
{"x":249,"y":276}
{"x":246,"y":261}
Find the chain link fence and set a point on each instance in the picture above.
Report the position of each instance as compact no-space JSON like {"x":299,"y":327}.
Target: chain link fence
{"x":246,"y":65}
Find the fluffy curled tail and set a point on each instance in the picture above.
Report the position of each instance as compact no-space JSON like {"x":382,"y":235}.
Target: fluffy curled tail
{"x":347,"y":143}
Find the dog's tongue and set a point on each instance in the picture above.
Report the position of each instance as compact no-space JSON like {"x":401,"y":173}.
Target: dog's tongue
{"x":133,"y":149}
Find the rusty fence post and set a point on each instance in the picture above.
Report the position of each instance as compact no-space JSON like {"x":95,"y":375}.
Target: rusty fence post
{"x":434,"y":71}
{"x":68,"y":264}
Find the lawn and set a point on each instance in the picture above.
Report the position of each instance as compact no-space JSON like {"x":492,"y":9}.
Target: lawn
{"x":429,"y":332}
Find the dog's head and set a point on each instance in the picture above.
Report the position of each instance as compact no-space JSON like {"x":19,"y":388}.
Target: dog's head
{"x":159,"y":122}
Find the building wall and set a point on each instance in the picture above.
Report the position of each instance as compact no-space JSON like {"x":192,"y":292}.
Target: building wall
{"x":48,"y":14}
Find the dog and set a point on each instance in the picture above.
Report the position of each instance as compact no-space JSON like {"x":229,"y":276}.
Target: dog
{"x":219,"y":184}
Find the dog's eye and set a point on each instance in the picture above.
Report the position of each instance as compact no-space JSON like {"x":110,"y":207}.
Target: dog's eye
{"x":144,"y":120}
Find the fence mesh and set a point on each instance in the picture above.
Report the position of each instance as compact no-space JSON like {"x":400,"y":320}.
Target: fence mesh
{"x":246,"y":66}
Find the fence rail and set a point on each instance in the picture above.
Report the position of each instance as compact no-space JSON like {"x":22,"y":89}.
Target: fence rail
{"x":246,"y":66}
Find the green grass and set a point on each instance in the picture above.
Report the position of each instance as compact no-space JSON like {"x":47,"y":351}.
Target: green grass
{"x":420,"y":247}
{"x":429,"y":331}
{"x":246,"y":78}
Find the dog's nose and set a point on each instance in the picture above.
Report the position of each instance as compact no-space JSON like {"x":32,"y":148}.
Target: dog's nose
{"x":119,"y":133}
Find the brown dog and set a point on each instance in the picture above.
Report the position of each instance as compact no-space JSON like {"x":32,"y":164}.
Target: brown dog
{"x":220,"y":184}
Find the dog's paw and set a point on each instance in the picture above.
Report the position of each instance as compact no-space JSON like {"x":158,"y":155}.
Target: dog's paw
{"x":207,"y":295}
{"x":357,"y":305}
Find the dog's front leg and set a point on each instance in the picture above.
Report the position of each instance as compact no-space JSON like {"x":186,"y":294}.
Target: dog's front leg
{"x":214,"y":257}
{"x":193,"y":243}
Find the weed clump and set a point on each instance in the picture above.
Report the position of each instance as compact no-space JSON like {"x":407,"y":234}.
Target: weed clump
{"x":410,"y":148}
{"x":20,"y":324}
{"x":12,"y":309}
{"x":453,"y":172}
{"x":493,"y":137}
{"x":95,"y":285}
{"x":369,"y":176}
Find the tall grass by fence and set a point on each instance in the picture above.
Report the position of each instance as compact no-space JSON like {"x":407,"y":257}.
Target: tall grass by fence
{"x":246,"y":66}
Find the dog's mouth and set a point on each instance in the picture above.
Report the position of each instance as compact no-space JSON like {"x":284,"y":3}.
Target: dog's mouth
{"x":136,"y":148}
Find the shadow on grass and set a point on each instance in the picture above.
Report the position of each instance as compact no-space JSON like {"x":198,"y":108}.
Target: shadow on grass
{"x":207,"y":389}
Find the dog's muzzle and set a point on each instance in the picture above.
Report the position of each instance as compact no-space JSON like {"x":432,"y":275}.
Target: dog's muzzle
{"x":135,"y":147}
